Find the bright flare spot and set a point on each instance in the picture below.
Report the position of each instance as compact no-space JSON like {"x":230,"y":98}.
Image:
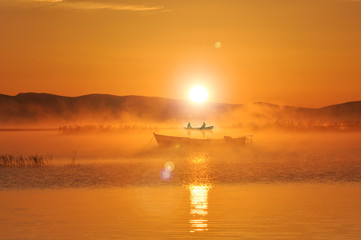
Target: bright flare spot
{"x":169,"y":166}
{"x":198,"y":94}
{"x":218,"y":44}
{"x":165,"y":174}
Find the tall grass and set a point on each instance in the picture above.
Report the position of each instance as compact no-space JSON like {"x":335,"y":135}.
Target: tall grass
{"x":10,"y":160}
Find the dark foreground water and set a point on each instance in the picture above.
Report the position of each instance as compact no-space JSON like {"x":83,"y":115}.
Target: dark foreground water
{"x":290,"y":186}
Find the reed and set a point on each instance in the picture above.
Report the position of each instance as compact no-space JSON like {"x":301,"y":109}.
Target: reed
{"x":10,"y":160}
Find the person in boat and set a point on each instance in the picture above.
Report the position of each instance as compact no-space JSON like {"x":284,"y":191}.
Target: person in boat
{"x":189,"y":125}
{"x":203,"y":125}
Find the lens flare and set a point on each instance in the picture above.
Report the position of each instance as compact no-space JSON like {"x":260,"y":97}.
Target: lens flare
{"x":169,"y":166}
{"x":167,"y":172}
{"x":166,"y":175}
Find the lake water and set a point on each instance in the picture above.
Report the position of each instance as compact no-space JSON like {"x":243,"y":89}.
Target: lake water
{"x":284,"y":186}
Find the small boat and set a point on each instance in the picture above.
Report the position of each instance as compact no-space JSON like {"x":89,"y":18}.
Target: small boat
{"x":203,"y":127}
{"x":169,"y":141}
{"x":199,"y":128}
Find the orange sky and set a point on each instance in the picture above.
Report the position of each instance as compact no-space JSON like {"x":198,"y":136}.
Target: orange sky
{"x":299,"y":52}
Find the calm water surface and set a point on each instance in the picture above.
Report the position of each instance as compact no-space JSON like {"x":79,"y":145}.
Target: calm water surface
{"x":293,"y":187}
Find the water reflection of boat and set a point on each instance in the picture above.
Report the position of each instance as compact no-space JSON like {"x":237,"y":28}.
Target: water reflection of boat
{"x":203,"y":132}
{"x":169,"y":141}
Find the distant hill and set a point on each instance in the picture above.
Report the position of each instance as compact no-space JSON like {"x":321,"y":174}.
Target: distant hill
{"x":43,"y":108}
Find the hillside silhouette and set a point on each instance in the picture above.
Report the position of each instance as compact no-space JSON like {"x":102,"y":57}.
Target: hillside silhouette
{"x":44,"y":108}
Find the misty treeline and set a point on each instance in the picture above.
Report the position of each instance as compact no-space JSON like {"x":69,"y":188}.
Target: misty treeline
{"x":301,"y":125}
{"x":108,"y":128}
{"x":260,"y":116}
{"x":289,"y":125}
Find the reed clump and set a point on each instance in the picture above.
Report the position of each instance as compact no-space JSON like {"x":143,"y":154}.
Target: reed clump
{"x":10,"y":160}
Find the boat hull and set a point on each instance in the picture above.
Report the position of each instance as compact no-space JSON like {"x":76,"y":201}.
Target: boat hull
{"x":171,"y":141}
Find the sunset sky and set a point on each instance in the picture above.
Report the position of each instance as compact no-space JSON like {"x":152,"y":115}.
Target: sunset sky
{"x":296,"y":52}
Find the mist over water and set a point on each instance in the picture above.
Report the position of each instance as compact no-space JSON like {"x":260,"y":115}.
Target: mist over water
{"x":134,"y":159}
{"x":286,"y":185}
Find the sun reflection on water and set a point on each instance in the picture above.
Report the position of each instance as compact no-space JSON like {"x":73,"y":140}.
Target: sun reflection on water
{"x":199,"y":207}
{"x":198,"y":183}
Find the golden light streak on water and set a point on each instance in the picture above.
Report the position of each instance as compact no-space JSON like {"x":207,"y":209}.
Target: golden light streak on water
{"x":198,"y":158}
{"x":198,"y":184}
{"x":199,"y":207}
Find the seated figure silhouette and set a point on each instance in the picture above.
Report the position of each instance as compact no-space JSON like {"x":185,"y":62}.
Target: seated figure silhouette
{"x":203,"y":127}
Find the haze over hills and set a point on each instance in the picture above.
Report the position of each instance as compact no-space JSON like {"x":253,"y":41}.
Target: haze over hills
{"x":30,"y":109}
{"x":44,"y":107}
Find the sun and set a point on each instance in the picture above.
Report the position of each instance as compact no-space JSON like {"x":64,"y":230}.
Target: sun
{"x":198,"y":94}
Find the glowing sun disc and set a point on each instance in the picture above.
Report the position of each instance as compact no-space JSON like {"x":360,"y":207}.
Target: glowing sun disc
{"x":198,"y":94}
